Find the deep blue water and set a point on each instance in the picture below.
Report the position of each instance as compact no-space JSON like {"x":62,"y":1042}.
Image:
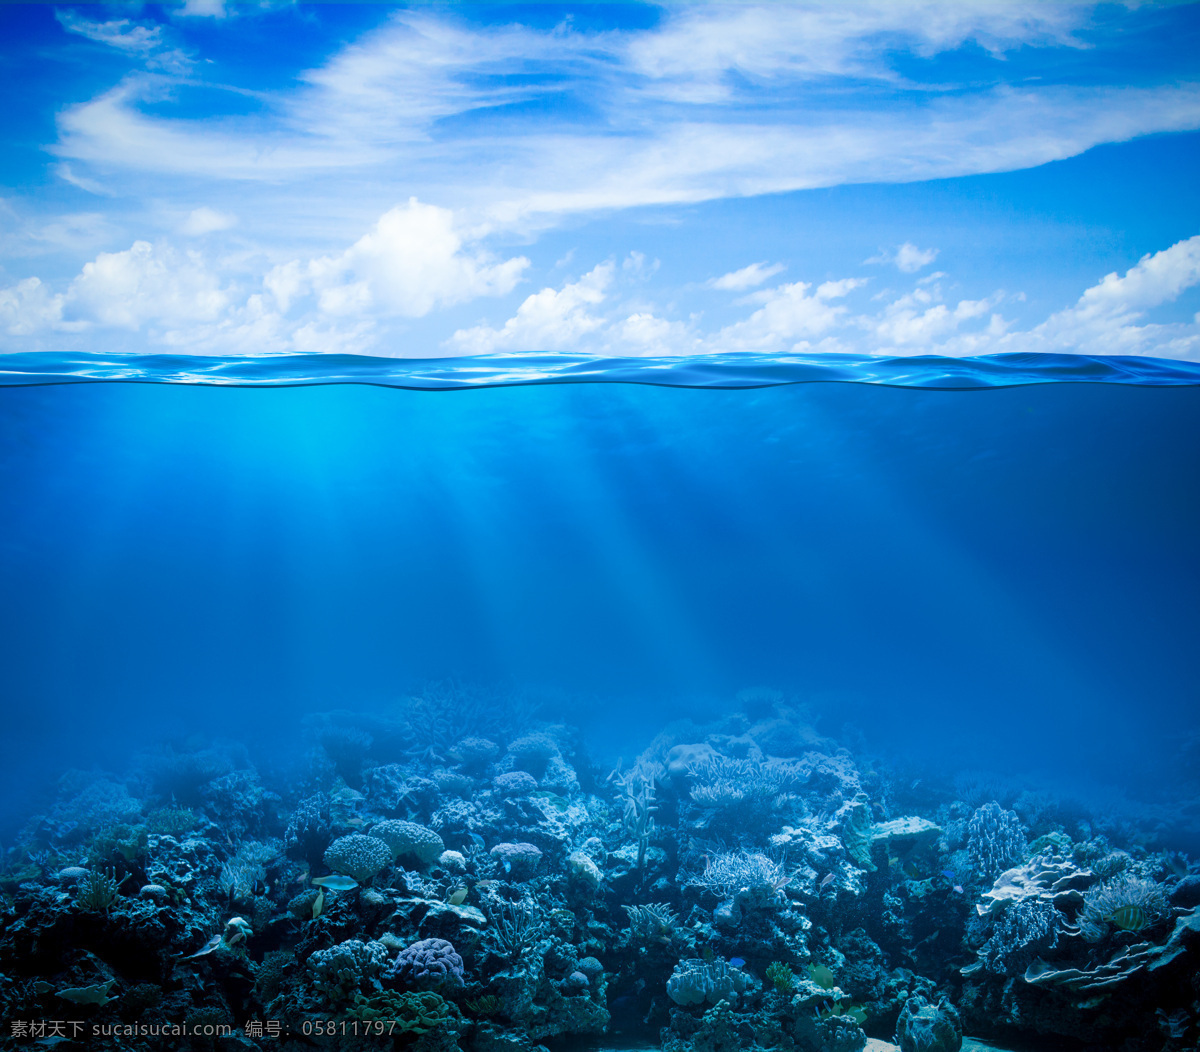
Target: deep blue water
{"x":1004,"y":578}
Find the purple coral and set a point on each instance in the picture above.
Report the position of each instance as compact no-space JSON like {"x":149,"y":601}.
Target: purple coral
{"x":428,"y":963}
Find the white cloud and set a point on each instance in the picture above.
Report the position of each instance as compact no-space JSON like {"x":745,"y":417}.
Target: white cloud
{"x":717,"y":101}
{"x":206,"y":220}
{"x":203,"y":9}
{"x":917,"y":321}
{"x":1105,"y":319}
{"x":550,"y":320}
{"x":132,"y":38}
{"x":644,"y":335}
{"x":122,"y":34}
{"x":746,"y":278}
{"x":146,"y":284}
{"x":699,"y":46}
{"x":413,"y":260}
{"x":789,"y":315}
{"x":28,"y":307}
{"x":907,"y":258}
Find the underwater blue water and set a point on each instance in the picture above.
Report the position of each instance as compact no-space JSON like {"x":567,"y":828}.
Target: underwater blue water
{"x":1001,"y":578}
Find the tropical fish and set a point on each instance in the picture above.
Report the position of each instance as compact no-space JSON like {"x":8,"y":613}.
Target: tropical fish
{"x":1129,"y":918}
{"x":821,"y":975}
{"x":477,"y":840}
{"x":826,"y":880}
{"x":318,"y":903}
{"x":736,"y":962}
{"x":458,"y":896}
{"x":206,"y":949}
{"x":948,"y":874}
{"x":336,"y":882}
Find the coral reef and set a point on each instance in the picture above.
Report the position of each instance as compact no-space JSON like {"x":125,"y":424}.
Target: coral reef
{"x":462,"y":876}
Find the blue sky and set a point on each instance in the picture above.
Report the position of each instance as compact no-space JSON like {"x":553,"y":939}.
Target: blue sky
{"x":898,"y":176}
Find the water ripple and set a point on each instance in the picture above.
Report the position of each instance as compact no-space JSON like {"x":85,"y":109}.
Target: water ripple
{"x":730,"y":371}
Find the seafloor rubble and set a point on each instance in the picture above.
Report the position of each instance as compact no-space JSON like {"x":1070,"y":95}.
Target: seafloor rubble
{"x":460,"y":875}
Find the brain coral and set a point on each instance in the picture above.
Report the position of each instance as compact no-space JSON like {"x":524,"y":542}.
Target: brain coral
{"x":427,"y":963}
{"x":409,"y":839}
{"x":358,"y":856}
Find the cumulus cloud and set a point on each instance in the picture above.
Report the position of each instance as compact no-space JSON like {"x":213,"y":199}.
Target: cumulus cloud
{"x":413,"y":260}
{"x":29,"y":307}
{"x":146,"y":284}
{"x":549,"y":320}
{"x":916,"y":320}
{"x":746,"y":278}
{"x":907,"y":258}
{"x":1105,"y":318}
{"x":788,"y":316}
{"x":643,"y":334}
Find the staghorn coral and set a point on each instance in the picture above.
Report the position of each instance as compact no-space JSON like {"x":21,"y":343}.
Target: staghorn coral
{"x":995,"y":840}
{"x":514,"y":927}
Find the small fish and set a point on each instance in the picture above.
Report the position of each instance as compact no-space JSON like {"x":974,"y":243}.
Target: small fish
{"x":948,"y":874}
{"x":336,"y":882}
{"x":507,"y":866}
{"x":1129,"y":918}
{"x":205,"y":950}
{"x":736,"y":962}
{"x":457,"y":897}
{"x":477,"y":840}
{"x":957,"y":889}
{"x":826,"y":880}
{"x":318,"y":903}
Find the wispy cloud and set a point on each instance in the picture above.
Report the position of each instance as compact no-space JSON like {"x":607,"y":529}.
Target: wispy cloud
{"x":746,"y":278}
{"x":206,"y":220}
{"x":419,"y":103}
{"x":907,"y":258}
{"x":147,"y":42}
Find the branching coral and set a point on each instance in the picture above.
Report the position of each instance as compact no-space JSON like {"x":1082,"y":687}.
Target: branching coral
{"x":653,"y":922}
{"x":728,"y":872}
{"x":995,"y":840}
{"x":98,"y":892}
{"x":514,"y":927}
